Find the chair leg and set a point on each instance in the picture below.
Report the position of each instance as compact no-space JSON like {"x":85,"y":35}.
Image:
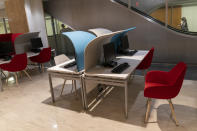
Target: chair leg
{"x":63,"y":87}
{"x":148,"y":109}
{"x":72,"y":87}
{"x":173,"y":112}
{"x":75,"y":87}
{"x":3,"y":73}
{"x":42,"y":67}
{"x":27,"y":74}
{"x":20,"y":74}
{"x":7,"y":78}
{"x":133,"y":74}
{"x":16,"y":78}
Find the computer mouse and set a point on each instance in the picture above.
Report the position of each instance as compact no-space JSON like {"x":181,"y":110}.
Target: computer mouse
{"x":127,"y":64}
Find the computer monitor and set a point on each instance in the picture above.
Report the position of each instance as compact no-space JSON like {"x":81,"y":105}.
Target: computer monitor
{"x":124,"y":43}
{"x":6,"y":49}
{"x":109,"y":52}
{"x":36,"y":43}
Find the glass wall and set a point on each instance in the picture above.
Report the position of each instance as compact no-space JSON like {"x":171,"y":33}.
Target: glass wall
{"x":56,"y":40}
{"x":4,"y":26}
{"x":180,"y":14}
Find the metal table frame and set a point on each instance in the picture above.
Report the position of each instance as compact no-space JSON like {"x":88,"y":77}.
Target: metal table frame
{"x":110,"y":82}
{"x":66,"y":76}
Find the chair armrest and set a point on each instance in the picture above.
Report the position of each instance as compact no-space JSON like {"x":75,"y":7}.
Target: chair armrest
{"x":157,"y":77}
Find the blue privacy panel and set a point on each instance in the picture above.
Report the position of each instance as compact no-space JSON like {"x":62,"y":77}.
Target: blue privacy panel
{"x":116,"y":38}
{"x":80,"y":40}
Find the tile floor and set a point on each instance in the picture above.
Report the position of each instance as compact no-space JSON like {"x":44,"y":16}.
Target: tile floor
{"x":29,"y":108}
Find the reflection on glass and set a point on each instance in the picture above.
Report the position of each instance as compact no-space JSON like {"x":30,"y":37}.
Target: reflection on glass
{"x":181,"y":13}
{"x":2,"y":30}
{"x":189,"y":12}
{"x":7,"y":26}
{"x":4,"y":26}
{"x":174,"y":16}
{"x":56,"y":40}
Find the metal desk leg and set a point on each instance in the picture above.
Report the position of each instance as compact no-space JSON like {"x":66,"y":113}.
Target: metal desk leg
{"x":82,"y":96}
{"x":126,"y":99}
{"x":1,"y":85}
{"x":51,"y":88}
{"x":85,"y":95}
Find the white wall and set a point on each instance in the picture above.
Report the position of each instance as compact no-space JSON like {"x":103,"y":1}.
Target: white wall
{"x":190,"y":13}
{"x":35,"y":18}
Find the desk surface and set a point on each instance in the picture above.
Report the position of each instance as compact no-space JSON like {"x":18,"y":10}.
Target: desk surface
{"x":103,"y":72}
{"x":60,"y":69}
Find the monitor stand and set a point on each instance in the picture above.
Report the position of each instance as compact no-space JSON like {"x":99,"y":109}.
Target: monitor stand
{"x":110,"y":64}
{"x":127,"y":52}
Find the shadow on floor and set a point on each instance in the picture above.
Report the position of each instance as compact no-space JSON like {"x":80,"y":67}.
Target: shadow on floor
{"x":186,"y":116}
{"x":112,"y":107}
{"x":68,"y":100}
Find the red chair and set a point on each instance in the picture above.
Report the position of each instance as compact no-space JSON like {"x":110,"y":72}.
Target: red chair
{"x":146,"y":63}
{"x":43,"y":57}
{"x":17,"y":64}
{"x":164,"y":85}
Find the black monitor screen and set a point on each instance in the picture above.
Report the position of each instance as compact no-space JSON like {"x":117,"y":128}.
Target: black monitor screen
{"x":109,"y":52}
{"x":124,"y":42}
{"x":6,"y":48}
{"x":36,"y":43}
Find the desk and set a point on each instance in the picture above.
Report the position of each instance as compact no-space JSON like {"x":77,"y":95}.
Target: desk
{"x":29,"y":54}
{"x":103,"y":75}
{"x":66,"y":73}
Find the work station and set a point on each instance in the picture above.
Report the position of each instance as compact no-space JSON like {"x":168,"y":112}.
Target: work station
{"x":16,"y":49}
{"x":97,"y":65}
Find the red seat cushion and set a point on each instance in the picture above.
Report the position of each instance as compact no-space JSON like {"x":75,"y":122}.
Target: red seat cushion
{"x":43,"y":57}
{"x":18,"y":63}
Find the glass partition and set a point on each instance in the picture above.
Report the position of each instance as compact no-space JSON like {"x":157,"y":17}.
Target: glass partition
{"x":56,"y":40}
{"x":180,"y":15}
{"x":4,"y":26}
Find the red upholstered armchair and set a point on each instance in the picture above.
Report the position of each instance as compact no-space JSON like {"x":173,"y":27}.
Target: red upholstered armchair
{"x":43,"y":57}
{"x":164,"y":85}
{"x":17,"y":64}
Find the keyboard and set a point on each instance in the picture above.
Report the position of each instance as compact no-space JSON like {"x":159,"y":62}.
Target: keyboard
{"x":120,"y":68}
{"x":70,"y":64}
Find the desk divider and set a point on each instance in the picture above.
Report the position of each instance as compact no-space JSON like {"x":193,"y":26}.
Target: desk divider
{"x":80,"y":40}
{"x":94,"y":51}
{"x":22,"y":42}
{"x":99,"y":31}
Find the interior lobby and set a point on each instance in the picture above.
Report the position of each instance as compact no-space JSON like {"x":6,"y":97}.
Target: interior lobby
{"x":94,"y":65}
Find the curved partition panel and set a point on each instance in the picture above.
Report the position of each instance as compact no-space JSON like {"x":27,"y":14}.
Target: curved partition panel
{"x":93,"y":51}
{"x":116,"y":38}
{"x":80,"y":40}
{"x":100,"y":31}
{"x":22,"y":43}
